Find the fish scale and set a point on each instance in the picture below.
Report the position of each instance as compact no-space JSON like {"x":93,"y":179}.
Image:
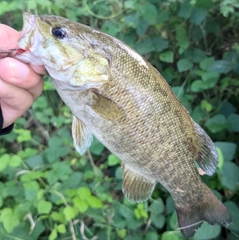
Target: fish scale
{"x":117,"y":96}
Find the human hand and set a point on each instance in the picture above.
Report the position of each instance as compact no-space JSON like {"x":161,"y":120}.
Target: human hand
{"x":20,"y":83}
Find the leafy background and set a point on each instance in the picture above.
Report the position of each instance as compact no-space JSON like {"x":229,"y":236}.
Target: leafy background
{"x":49,"y":191}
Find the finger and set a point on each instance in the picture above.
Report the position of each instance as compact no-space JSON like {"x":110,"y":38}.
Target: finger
{"x":21,"y":75}
{"x":8,"y":36}
{"x":14,"y":102}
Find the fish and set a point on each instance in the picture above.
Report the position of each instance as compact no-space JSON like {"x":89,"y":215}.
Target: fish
{"x":117,"y":96}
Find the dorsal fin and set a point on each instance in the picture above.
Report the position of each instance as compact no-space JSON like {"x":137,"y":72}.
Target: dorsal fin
{"x":136,"y":187}
{"x":207,"y":158}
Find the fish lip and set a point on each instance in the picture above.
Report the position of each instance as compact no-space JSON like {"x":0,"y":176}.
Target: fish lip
{"x":29,"y":22}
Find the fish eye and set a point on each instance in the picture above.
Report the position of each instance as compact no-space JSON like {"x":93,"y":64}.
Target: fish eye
{"x":58,"y":32}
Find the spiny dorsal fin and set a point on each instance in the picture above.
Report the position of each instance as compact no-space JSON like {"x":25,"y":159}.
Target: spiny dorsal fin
{"x":81,"y":136}
{"x":136,"y":187}
{"x":207,"y":158}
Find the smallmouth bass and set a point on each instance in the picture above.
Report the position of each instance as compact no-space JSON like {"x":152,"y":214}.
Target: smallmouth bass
{"x":121,"y":99}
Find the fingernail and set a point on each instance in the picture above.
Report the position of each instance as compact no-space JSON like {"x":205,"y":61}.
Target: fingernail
{"x":19,"y":70}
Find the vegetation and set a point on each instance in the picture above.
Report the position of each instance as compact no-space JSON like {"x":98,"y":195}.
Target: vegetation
{"x":49,"y":191}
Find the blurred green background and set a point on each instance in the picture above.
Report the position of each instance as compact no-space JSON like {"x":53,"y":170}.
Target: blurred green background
{"x":49,"y":191}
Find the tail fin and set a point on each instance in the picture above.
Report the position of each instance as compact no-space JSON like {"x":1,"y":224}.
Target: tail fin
{"x":209,"y":209}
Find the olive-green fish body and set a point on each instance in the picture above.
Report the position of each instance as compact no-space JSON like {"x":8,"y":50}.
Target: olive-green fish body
{"x":116,"y":95}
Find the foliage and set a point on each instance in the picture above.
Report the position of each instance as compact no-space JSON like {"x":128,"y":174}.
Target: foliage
{"x":50,"y":192}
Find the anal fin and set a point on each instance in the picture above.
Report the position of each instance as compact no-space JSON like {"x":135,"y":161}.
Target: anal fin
{"x":82,"y":137}
{"x":207,"y":158}
{"x":136,"y":187}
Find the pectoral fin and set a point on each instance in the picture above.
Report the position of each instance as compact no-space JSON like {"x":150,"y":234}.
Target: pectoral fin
{"x":82,"y":137}
{"x":136,"y":187}
{"x":207,"y":158}
{"x":106,"y":108}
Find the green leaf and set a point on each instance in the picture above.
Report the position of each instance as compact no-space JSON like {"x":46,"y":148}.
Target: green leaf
{"x":151,"y":236}
{"x":169,"y":205}
{"x":129,"y":4}
{"x":9,"y":219}
{"x":142,"y":27}
{"x":15,"y":161}
{"x":206,"y":105}
{"x":228,"y":149}
{"x":113,"y":160}
{"x":123,"y":210}
{"x":61,"y":228}
{"x":38,"y":230}
{"x":233,"y":123}
{"x":34,"y":161}
{"x":216,"y":123}
{"x":1,"y":202}
{"x":166,"y":57}
{"x":198,"y":15}
{"x":234,"y":211}
{"x":52,"y":177}
{"x":162,"y":16}
{"x":185,"y":10}
{"x":184,"y":65}
{"x":181,"y":34}
{"x":140,"y":211}
{"x":159,"y":44}
{"x":169,"y":236}
{"x":207,"y":231}
{"x":69,"y":213}
{"x":4,"y":160}
{"x":53,"y":234}
{"x":182,"y":39}
{"x":230,"y":175}
{"x":206,"y":63}
{"x":44,"y":207}
{"x":207,"y":76}
{"x":158,"y":220}
{"x":31,"y":190}
{"x":94,"y":202}
{"x":54,"y":153}
{"x":62,"y":169}
{"x":57,"y":216}
{"x":96,"y":147}
{"x":183,"y":46}
{"x":198,"y":86}
{"x":24,"y":135}
{"x":31,"y":176}
{"x":220,"y":158}
{"x":197,"y":55}
{"x":221,"y":66}
{"x":121,"y":233}
{"x":157,"y":206}
{"x":74,"y":179}
{"x":173,"y":220}
{"x":81,"y":204}
{"x":149,"y":12}
{"x":145,"y":46}
{"x":84,"y":192}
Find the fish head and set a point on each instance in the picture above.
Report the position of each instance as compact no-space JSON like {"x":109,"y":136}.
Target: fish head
{"x":64,"y":48}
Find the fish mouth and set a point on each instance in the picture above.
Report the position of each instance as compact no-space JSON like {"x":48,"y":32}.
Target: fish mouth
{"x":26,"y":38}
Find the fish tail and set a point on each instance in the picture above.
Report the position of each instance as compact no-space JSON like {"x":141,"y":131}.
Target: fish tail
{"x":209,"y":209}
